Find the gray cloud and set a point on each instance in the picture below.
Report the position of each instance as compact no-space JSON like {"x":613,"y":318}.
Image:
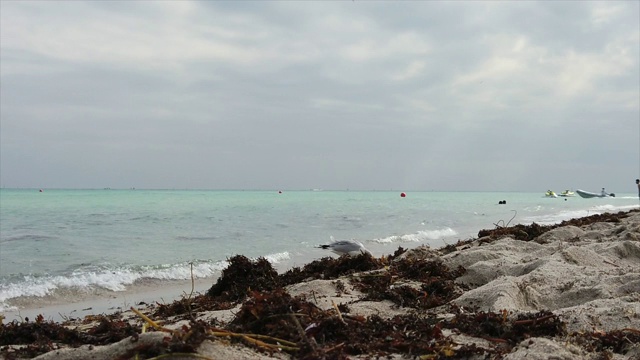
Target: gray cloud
{"x":286,"y":95}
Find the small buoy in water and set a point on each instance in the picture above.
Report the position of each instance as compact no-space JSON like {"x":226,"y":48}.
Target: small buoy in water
{"x":40,"y":190}
{"x":502,"y":202}
{"x":279,"y":191}
{"x":403,"y":194}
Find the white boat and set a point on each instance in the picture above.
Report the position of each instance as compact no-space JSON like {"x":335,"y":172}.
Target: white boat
{"x":588,"y":194}
{"x":550,"y":194}
{"x":567,"y":193}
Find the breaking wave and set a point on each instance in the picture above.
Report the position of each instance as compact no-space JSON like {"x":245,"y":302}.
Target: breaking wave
{"x":90,"y":278}
{"x":420,"y":236}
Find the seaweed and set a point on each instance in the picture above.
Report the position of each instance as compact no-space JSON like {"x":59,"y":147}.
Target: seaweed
{"x":434,"y":283}
{"x":499,"y":327}
{"x":530,"y":232}
{"x":332,"y":268}
{"x":42,"y":336}
{"x":241,"y":276}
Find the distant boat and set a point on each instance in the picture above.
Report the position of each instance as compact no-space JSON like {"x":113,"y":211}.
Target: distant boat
{"x":567,"y":193}
{"x":588,"y":194}
{"x":550,"y":194}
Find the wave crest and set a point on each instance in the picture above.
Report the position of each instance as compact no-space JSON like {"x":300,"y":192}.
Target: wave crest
{"x":420,"y":236}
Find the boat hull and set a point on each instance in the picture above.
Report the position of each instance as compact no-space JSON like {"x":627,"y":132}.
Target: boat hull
{"x":588,"y":194}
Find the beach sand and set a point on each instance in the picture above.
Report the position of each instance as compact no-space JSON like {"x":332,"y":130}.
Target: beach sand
{"x":570,"y":291}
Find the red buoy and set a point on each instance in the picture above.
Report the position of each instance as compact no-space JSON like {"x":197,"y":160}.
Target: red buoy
{"x":403,"y":195}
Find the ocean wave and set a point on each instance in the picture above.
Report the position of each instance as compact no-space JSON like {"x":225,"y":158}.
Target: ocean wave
{"x":608,"y":207}
{"x":28,"y":237}
{"x":418,"y":237}
{"x":278,"y":257}
{"x":90,"y":278}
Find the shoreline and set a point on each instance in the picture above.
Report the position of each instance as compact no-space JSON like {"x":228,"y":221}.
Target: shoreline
{"x":58,"y":310}
{"x":568,"y":289}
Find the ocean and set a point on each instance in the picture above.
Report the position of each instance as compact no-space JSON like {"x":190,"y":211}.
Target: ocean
{"x":65,"y":245}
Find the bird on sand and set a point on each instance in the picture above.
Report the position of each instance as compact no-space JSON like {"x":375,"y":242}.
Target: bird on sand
{"x":348,"y":247}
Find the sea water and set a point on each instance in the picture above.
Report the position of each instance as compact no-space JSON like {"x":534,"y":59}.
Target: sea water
{"x":65,"y":243}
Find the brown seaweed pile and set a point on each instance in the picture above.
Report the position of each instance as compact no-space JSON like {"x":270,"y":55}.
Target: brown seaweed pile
{"x":42,"y":336}
{"x":424,"y":284}
{"x":243,"y":277}
{"x":530,"y":232}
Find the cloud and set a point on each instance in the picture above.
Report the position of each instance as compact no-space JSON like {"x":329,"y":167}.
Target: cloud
{"x":371,"y":95}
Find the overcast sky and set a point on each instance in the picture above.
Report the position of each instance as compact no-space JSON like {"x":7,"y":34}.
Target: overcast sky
{"x":487,"y":96}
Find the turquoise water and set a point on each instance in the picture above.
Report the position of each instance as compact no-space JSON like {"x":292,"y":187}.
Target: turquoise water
{"x":77,"y":240}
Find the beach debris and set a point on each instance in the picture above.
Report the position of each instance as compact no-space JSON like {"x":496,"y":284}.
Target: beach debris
{"x":244,"y":276}
{"x":41,"y":336}
{"x":329,"y":268}
{"x":500,"y":327}
{"x":411,"y":282}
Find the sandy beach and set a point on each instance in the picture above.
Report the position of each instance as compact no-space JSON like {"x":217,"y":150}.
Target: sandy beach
{"x":566,"y":291}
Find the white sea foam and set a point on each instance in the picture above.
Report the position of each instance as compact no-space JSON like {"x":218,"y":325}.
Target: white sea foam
{"x":278,"y":257}
{"x":419,"y":236}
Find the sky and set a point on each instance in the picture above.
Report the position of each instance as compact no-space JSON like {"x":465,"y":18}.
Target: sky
{"x":384,"y":95}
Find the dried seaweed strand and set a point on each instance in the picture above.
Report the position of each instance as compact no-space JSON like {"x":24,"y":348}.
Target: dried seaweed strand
{"x":338,"y":311}
{"x":193,"y":285}
{"x":253,"y":338}
{"x":303,"y":336}
{"x":266,"y":337}
{"x":266,"y":345}
{"x":334,"y":347}
{"x":533,"y":321}
{"x":151,"y":322}
{"x":181,"y":355}
{"x":497,"y":340}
